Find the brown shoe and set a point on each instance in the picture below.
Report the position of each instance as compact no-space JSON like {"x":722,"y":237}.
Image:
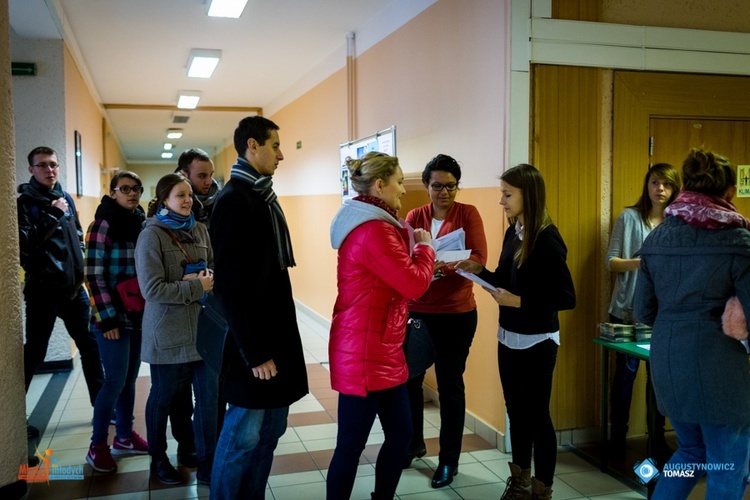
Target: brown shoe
{"x":539,"y":491}
{"x":518,"y":485}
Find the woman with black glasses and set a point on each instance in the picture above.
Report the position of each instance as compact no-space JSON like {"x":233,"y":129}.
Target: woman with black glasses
{"x":450,"y":313}
{"x":115,"y":322}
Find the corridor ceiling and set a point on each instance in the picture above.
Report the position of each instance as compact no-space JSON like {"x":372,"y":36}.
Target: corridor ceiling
{"x":135,"y":53}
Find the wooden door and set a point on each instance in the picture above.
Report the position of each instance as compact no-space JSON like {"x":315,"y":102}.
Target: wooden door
{"x":674,"y":137}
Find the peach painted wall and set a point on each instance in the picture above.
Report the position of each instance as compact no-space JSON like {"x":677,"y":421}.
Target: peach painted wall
{"x":82,"y":114}
{"x":441,"y":80}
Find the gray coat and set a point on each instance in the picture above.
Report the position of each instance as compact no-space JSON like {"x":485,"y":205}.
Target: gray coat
{"x":171,"y":316}
{"x":687,"y":274}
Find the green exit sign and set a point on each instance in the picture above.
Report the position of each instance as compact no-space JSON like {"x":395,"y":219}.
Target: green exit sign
{"x":23,"y":69}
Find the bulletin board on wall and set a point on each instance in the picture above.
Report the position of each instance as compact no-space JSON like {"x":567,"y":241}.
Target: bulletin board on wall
{"x":383,"y":141}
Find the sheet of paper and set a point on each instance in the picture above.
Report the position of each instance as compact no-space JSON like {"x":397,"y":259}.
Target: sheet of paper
{"x":452,"y":255}
{"x":644,"y":346}
{"x":476,"y":279}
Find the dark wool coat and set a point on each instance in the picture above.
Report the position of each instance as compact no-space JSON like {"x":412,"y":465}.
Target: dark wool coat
{"x":687,"y":274}
{"x":257,"y":299}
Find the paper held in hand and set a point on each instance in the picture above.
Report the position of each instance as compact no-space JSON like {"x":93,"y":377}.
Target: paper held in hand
{"x":476,"y":279}
{"x":451,"y":247}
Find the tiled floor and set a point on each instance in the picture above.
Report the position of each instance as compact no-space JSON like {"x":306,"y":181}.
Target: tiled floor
{"x":58,"y":404}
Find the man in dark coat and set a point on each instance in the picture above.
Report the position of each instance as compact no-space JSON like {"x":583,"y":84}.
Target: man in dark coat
{"x":264,"y":368}
{"x":51,"y":241}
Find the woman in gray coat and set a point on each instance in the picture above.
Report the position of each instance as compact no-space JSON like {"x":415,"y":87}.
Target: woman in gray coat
{"x":691,"y":265}
{"x":169,"y":249}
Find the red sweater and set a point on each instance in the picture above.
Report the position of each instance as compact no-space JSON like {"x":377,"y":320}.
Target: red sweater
{"x":452,"y":293}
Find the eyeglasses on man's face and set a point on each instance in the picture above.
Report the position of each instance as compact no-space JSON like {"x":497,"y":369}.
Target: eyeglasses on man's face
{"x":129,"y":189}
{"x":437,"y":187}
{"x":53,"y":166}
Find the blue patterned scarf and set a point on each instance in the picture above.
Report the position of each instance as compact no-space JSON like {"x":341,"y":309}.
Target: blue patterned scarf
{"x":263,"y":185}
{"x":175,"y":220}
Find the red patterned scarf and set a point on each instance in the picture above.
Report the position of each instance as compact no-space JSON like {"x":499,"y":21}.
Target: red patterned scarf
{"x":710,"y":212}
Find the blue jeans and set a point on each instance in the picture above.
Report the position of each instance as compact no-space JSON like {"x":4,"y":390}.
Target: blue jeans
{"x":244,"y":454}
{"x":711,"y":445}
{"x":356,"y":416}
{"x":121,"y":360}
{"x":165,"y":381}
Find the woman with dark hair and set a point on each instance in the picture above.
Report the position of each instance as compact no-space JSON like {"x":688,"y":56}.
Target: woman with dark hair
{"x":533,"y":283}
{"x":660,"y":188}
{"x":174,"y":261}
{"x":379,"y":270}
{"x":109,"y":262}
{"x":691,"y":265}
{"x":449,"y":311}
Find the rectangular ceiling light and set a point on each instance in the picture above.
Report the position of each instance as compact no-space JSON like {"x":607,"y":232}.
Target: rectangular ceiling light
{"x":188,"y":99}
{"x":167,"y":156}
{"x":174,"y":133}
{"x":168,"y":146}
{"x":203,"y":62}
{"x":226,"y":8}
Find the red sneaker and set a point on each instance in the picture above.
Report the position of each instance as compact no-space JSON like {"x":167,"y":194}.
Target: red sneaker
{"x":134,"y":445}
{"x":100,"y":459}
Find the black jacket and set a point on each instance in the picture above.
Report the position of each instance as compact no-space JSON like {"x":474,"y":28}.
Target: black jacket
{"x":51,"y":240}
{"x":543,"y":282}
{"x":257,"y":299}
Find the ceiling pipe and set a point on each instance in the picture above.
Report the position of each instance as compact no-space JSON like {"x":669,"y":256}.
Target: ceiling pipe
{"x":351,"y":86}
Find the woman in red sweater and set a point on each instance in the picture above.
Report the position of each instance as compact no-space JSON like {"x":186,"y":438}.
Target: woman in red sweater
{"x":450,"y":313}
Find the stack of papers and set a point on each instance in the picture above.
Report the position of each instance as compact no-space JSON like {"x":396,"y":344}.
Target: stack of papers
{"x":451,"y":247}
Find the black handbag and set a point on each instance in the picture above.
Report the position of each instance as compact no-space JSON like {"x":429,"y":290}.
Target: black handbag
{"x":418,"y":347}
{"x":212,"y":332}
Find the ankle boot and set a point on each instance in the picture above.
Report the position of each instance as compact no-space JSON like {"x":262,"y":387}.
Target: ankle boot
{"x":518,"y":484}
{"x":539,"y":491}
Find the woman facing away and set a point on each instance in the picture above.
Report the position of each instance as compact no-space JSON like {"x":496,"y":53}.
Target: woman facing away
{"x":171,"y":240}
{"x":378,"y":272}
{"x":660,"y":187}
{"x":691,"y":265}
{"x":110,"y":260}
{"x":533,"y":283}
{"x":449,"y":310}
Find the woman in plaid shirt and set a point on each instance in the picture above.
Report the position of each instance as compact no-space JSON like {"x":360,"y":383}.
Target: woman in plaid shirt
{"x":110,"y":259}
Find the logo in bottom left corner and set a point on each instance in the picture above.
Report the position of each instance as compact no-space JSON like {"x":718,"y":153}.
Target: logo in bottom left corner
{"x":646,"y":470}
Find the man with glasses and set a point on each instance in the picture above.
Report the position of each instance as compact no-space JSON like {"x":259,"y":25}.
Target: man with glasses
{"x":51,"y":243}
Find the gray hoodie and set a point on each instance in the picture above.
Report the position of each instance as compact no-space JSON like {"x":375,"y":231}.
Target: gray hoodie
{"x":354,"y":213}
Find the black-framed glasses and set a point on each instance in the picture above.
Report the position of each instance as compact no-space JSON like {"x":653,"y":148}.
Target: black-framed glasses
{"x":437,"y":187}
{"x":129,"y":189}
{"x":53,"y":166}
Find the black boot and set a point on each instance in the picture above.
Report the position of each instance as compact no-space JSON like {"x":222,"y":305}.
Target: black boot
{"x":162,"y":470}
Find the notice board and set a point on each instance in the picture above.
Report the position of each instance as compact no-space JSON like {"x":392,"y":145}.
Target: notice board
{"x":383,"y":141}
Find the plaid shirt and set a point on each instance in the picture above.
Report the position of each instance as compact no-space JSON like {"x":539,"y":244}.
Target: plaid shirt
{"x":106,"y":263}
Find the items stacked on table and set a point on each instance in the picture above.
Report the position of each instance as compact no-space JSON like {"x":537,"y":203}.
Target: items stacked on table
{"x":642,"y":333}
{"x":615,"y":332}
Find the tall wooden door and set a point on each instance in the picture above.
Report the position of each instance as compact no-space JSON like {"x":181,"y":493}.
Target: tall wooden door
{"x":672,"y":139}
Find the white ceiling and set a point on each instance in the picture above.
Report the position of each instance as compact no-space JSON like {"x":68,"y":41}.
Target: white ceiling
{"x":135,"y":52}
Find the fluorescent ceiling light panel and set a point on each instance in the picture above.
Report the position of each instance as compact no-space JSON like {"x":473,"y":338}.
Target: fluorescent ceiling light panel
{"x":203,"y":62}
{"x":167,"y":156}
{"x":226,"y":8}
{"x":188,"y":99}
{"x":174,"y":133}
{"x":168,"y":146}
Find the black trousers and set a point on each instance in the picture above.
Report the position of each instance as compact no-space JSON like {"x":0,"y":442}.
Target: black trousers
{"x":452,"y":335}
{"x":43,"y":307}
{"x":526,"y":377}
